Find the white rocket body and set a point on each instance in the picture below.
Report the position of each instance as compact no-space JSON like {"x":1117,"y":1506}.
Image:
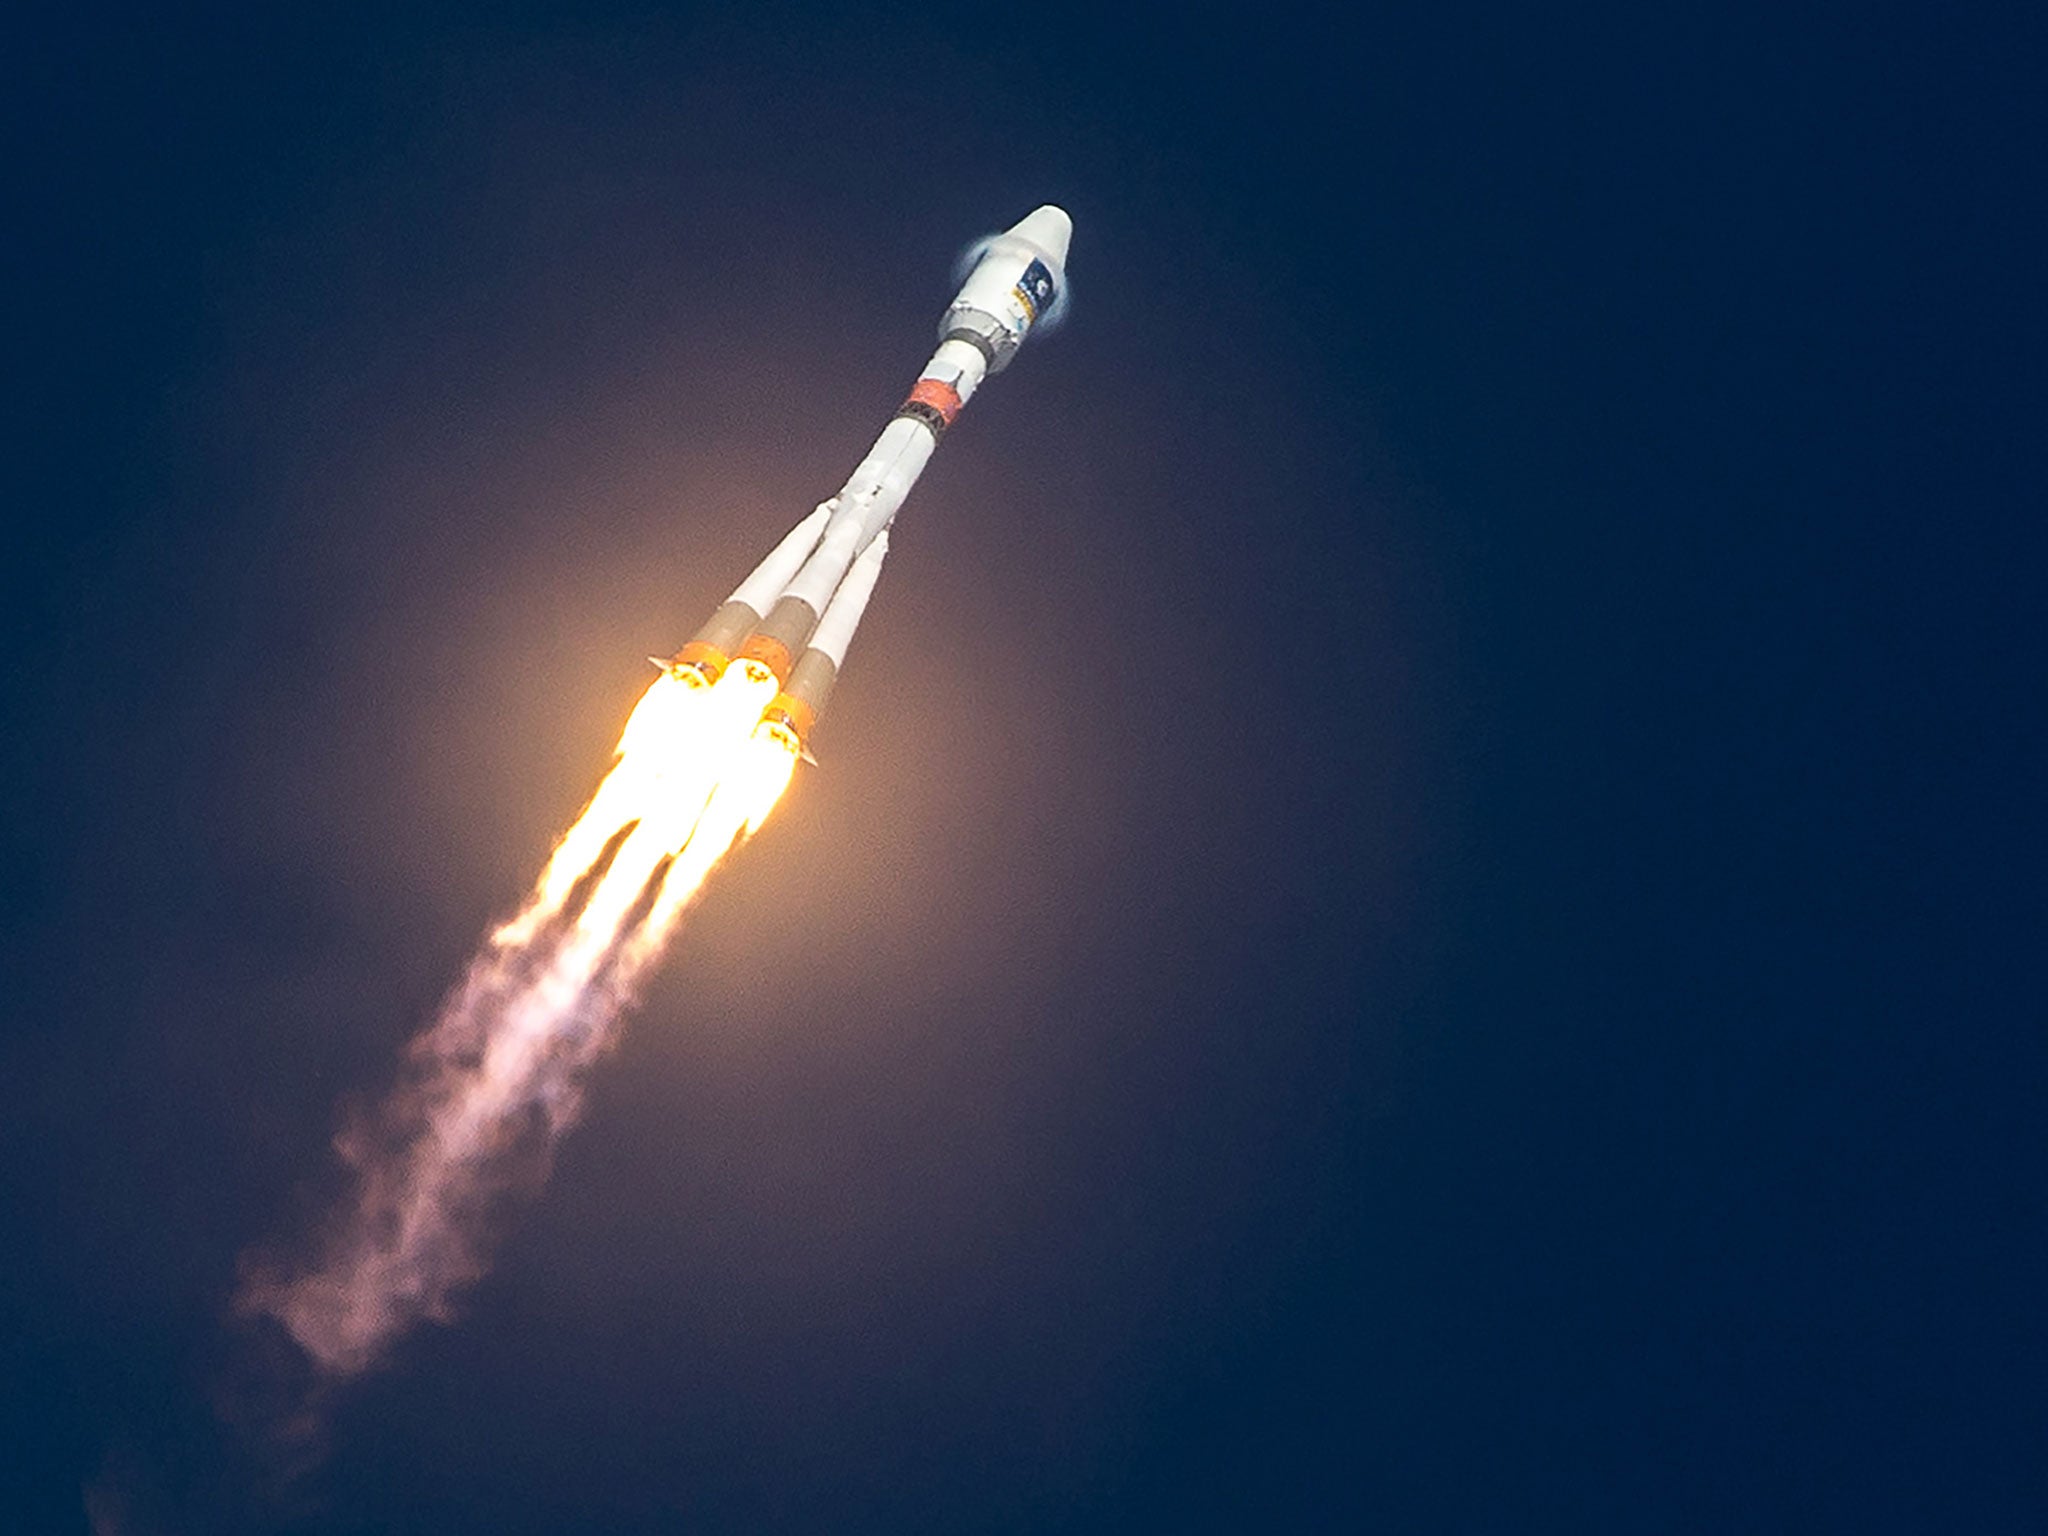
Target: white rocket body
{"x":1018,"y":279}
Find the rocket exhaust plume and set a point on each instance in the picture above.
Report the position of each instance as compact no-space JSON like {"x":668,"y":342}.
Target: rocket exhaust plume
{"x":496,"y":1078}
{"x":490,"y":1086}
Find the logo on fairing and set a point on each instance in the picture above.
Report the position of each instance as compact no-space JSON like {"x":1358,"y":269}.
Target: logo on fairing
{"x":1035,"y":289}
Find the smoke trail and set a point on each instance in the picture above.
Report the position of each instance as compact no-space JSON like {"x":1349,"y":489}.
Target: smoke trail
{"x":492,"y":1084}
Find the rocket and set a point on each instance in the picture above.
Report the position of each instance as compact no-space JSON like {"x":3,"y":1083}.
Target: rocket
{"x":792,"y":619}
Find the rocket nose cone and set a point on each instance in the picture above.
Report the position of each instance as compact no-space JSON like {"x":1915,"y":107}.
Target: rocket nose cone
{"x":1049,"y":229}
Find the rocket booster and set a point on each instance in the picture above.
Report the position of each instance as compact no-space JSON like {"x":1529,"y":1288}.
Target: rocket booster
{"x":793,"y":711}
{"x":793,"y":617}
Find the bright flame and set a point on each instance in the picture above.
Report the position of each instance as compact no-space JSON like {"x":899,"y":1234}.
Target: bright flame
{"x":755,"y":777}
{"x":669,"y":758}
{"x":497,"y":1077}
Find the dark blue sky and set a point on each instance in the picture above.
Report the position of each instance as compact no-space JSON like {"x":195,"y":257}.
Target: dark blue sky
{"x":1422,"y":911}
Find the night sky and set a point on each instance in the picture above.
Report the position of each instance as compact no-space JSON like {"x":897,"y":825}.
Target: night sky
{"x":1421,"y":911}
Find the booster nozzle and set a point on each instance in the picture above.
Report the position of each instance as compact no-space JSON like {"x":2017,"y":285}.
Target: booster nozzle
{"x":787,"y":721}
{"x":703,"y":661}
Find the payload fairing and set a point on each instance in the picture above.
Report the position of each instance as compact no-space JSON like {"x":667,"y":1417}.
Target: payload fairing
{"x":792,"y":619}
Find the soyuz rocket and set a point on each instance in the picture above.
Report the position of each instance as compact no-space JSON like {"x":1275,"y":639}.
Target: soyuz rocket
{"x":792,"y":619}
